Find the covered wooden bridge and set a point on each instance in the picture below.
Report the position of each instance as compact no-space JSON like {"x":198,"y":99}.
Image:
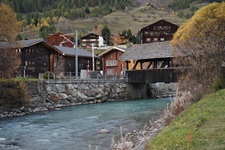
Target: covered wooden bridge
{"x":152,"y":62}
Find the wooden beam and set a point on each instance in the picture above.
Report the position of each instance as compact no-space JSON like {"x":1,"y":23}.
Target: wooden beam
{"x":127,"y":62}
{"x":164,"y":64}
{"x":155,"y":64}
{"x":149,"y":65}
{"x":135,"y":65}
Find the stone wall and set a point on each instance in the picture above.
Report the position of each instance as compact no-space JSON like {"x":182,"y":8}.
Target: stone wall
{"x":66,"y":94}
{"x":49,"y":96}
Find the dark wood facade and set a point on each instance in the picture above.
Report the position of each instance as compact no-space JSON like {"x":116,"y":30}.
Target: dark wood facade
{"x":157,"y":32}
{"x":39,"y":56}
{"x":88,"y":40}
{"x":61,"y":39}
{"x":35,"y":59}
{"x":165,"y":75}
{"x":111,"y":63}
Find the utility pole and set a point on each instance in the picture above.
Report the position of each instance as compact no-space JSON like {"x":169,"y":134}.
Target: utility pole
{"x":76,"y":55}
{"x":93,"y":57}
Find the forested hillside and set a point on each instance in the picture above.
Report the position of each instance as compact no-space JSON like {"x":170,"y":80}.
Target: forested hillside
{"x":41,"y":17}
{"x":182,"y":4}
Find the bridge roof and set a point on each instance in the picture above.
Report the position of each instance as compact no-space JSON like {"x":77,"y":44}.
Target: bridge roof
{"x":148,"y":51}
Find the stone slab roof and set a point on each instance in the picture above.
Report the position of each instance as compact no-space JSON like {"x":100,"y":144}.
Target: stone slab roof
{"x":148,"y":51}
{"x":69,"y":51}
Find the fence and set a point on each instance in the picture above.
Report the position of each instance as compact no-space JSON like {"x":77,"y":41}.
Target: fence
{"x":83,"y":75}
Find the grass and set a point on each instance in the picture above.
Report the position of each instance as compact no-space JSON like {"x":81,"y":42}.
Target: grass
{"x":202,"y":126}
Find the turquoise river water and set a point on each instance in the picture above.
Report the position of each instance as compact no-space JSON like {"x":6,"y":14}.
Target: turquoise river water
{"x":77,"y":127}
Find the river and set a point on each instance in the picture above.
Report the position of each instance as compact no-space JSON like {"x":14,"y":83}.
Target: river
{"x":77,"y":127}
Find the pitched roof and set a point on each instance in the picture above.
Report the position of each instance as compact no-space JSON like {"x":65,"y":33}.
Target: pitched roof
{"x":28,"y":43}
{"x":160,"y":21}
{"x":60,"y":33}
{"x":20,"y":44}
{"x":86,"y":36}
{"x":60,"y":49}
{"x":148,"y":51}
{"x":68,"y":51}
{"x":112,"y":48}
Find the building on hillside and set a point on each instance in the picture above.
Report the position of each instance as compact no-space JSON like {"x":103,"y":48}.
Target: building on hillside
{"x":92,"y":40}
{"x":148,"y":56}
{"x":110,"y":61}
{"x":60,"y":39}
{"x":158,"y":32}
{"x":39,"y":56}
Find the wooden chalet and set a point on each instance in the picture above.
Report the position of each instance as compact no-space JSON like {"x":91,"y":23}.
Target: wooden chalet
{"x":61,"y":39}
{"x":68,"y":60}
{"x":110,"y":61}
{"x":39,"y":56}
{"x":159,"y":31}
{"x":88,"y":40}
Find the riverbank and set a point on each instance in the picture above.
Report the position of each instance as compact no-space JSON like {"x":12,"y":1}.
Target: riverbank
{"x":200,"y":126}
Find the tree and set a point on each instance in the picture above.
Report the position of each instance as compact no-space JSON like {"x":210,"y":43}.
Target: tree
{"x":9,"y":29}
{"x":106,"y":34}
{"x":46,"y":30}
{"x":201,"y":41}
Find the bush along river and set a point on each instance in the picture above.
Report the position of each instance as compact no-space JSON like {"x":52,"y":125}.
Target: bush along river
{"x":78,"y":127}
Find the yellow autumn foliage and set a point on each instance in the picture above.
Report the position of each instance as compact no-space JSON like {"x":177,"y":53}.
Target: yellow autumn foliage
{"x":201,"y":40}
{"x":9,"y":28}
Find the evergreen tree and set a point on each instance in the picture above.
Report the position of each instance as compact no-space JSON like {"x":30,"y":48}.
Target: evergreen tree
{"x":46,"y":30}
{"x":106,"y":34}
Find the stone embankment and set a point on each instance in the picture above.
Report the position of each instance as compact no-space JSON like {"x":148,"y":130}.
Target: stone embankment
{"x":53,"y":96}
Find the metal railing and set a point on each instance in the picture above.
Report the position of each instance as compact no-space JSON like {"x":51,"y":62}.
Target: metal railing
{"x":71,"y":77}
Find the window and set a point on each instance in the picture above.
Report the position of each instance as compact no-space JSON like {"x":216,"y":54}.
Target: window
{"x":111,"y":63}
{"x":162,"y":39}
{"x":146,"y":33}
{"x":155,"y":39}
{"x":148,"y":39}
{"x":18,"y":50}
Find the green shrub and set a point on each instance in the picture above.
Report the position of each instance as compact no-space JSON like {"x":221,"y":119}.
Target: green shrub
{"x":50,"y":74}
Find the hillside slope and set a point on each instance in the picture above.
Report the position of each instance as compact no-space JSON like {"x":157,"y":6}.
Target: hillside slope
{"x":202,"y":126}
{"x":134,"y":19}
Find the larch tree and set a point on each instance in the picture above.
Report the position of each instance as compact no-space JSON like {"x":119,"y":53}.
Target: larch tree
{"x":9,"y":29}
{"x":201,"y":40}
